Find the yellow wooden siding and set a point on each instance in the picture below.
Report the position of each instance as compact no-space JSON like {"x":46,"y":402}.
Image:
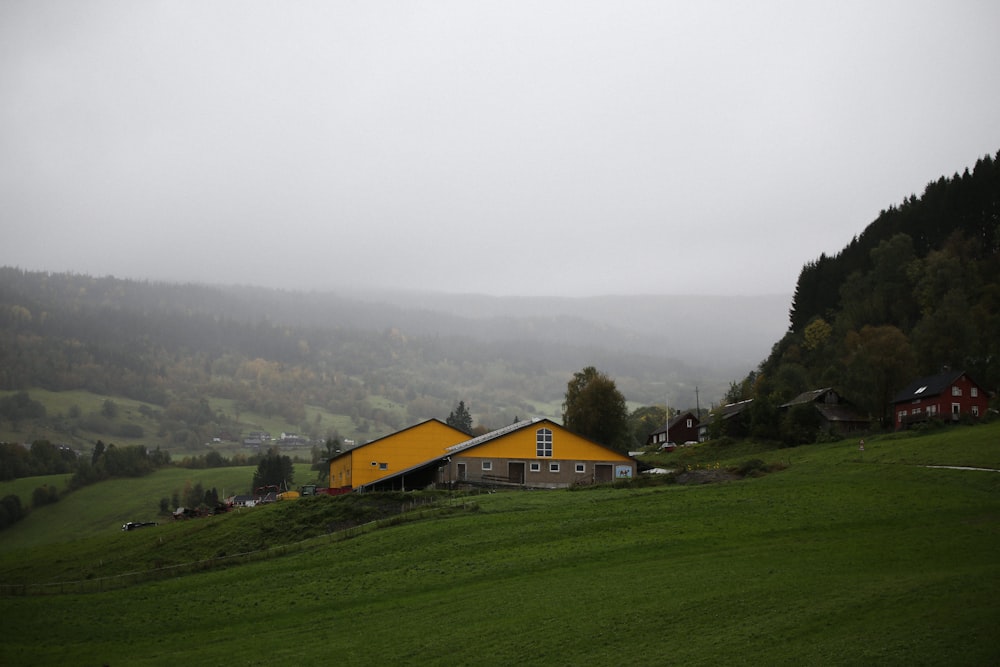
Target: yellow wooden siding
{"x":340,"y":471}
{"x":397,"y":451}
{"x":566,"y":445}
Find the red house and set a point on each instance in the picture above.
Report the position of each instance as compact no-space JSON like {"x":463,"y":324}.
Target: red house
{"x":947,"y":396}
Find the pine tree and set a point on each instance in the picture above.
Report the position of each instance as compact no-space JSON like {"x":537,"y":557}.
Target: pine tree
{"x":460,"y":418}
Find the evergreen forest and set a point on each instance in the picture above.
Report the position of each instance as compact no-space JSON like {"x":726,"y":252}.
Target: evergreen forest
{"x":917,"y":292}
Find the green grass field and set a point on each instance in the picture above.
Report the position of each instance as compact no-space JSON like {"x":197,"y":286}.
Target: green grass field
{"x":96,"y":510}
{"x":837,"y":558}
{"x":23,"y":488}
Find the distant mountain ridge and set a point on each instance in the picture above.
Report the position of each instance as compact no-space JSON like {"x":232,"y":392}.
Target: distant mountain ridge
{"x":383,"y":360}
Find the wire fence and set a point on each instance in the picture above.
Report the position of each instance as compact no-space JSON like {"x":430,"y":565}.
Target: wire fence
{"x":119,"y":581}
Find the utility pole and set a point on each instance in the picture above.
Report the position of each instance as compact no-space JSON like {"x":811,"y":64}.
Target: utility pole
{"x":666,"y":410}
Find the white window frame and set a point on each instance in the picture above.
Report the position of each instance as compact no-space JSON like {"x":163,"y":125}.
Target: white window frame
{"x":543,"y":443}
{"x":974,"y":392}
{"x":534,"y":466}
{"x":553,"y":466}
{"x":956,"y":390}
{"x":975,"y":410}
{"x":581,"y":467}
{"x":487,"y":465}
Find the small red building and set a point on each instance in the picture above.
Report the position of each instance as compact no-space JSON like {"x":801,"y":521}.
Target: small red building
{"x":947,"y":396}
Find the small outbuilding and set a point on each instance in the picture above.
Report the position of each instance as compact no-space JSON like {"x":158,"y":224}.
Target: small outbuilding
{"x":733,"y":420}
{"x":837,"y":414}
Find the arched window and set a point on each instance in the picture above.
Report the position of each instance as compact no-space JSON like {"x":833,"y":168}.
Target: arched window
{"x":543,"y":442}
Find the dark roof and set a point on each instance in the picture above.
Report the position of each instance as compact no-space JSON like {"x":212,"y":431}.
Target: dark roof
{"x":932,"y":385}
{"x":807,"y":397}
{"x":732,"y":409}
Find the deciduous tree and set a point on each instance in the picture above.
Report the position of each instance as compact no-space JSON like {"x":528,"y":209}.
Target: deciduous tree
{"x":595,"y":409}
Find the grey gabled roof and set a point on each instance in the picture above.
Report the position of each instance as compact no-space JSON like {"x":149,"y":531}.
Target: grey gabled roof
{"x":932,"y":385}
{"x":730,"y":409}
{"x":493,"y":435}
{"x":806,"y":397}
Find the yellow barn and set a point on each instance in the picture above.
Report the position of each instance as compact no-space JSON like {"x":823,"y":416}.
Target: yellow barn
{"x":393,"y":453}
{"x":536,"y":453}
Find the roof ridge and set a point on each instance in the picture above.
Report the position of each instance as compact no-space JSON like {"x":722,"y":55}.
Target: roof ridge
{"x":486,"y":437}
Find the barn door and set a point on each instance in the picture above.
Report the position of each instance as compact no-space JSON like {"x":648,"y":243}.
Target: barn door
{"x":515,"y":472}
{"x":603,"y":473}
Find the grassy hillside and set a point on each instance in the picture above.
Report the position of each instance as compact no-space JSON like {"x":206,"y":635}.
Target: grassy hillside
{"x":25,"y":487}
{"x":101,"y":509}
{"x":836,"y":559}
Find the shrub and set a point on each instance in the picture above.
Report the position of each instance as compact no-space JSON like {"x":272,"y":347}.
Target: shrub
{"x":44,"y":495}
{"x":751,"y":468}
{"x":11,"y":511}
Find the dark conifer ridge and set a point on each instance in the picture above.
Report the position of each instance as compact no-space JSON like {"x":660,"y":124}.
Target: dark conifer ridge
{"x":917,"y":291}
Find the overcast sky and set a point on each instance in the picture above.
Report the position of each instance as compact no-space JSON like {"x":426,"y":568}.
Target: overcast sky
{"x":527,"y":148}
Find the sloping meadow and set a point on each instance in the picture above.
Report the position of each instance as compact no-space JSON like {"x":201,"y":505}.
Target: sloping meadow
{"x":838,"y":558}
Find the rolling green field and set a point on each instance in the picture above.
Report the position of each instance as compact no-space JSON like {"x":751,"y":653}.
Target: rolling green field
{"x":102,"y":508}
{"x":836,"y":558}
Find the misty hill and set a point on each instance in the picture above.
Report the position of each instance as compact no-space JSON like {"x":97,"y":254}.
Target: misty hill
{"x":381,"y":360}
{"x":916,"y":291}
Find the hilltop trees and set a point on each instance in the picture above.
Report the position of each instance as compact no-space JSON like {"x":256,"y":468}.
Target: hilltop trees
{"x":460,"y":418}
{"x":917,"y":291}
{"x":595,"y":409}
